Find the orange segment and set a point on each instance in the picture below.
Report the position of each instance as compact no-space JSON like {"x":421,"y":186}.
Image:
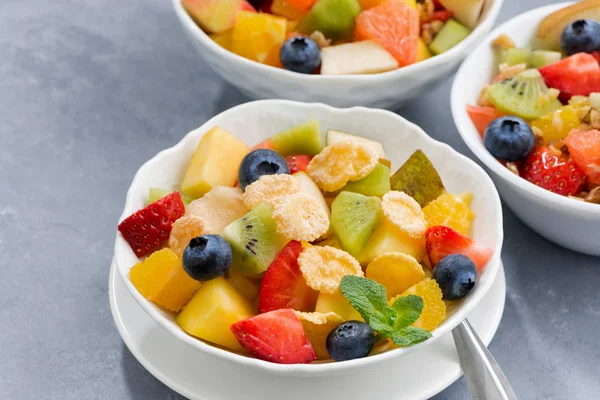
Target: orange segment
{"x":395,"y":26}
{"x":452,"y":211}
{"x":434,"y":308}
{"x":255,"y":35}
{"x":286,"y":8}
{"x":396,"y":271}
{"x":482,"y":117}
{"x":161,"y":279}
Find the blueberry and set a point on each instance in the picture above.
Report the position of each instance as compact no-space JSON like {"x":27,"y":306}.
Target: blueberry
{"x":300,"y":54}
{"x":207,"y":257}
{"x":456,"y":275}
{"x":509,"y":139}
{"x":350,"y":340}
{"x":582,"y":36}
{"x":258,"y":163}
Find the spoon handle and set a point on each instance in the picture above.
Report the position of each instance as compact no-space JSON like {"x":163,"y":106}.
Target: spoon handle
{"x":484,"y":376}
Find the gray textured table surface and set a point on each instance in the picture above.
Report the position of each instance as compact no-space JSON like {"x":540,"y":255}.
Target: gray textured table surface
{"x":89,"y":90}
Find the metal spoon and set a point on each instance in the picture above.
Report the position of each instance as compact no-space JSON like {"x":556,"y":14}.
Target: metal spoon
{"x":484,"y":376}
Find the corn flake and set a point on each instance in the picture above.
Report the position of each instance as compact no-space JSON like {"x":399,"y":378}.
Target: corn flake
{"x":324,"y":267}
{"x":301,"y":217}
{"x":185,"y":229}
{"x":269,"y":189}
{"x":403,"y":211}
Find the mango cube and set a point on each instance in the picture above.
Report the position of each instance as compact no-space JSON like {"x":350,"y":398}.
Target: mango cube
{"x":215,"y":163}
{"x":256,"y":35}
{"x":161,"y":279}
{"x":215,"y":16}
{"x":337,"y":303}
{"x":223,"y":39}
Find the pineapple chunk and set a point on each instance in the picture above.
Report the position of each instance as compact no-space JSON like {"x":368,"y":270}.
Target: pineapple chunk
{"x":388,"y":238}
{"x":215,"y":163}
{"x":366,"y":57}
{"x":212,"y":311}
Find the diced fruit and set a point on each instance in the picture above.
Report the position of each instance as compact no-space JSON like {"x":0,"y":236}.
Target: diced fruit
{"x":440,"y":15}
{"x":581,"y":36}
{"x":452,"y":211}
{"x":364,"y":57}
{"x":466,"y":12}
{"x":509,"y":138}
{"x":456,"y":274}
{"x":395,"y":26}
{"x":214,"y":163}
{"x":285,"y":8}
{"x":298,"y":163}
{"x":317,"y":326}
{"x":452,"y":33}
{"x":482,"y":117}
{"x":556,"y":173}
{"x":443,"y":241}
{"x":256,"y":34}
{"x":520,"y":95}
{"x":223,"y":39}
{"x":595,"y":101}
{"x":558,"y":124}
{"x":161,"y":279}
{"x":305,"y":138}
{"x":300,"y":54}
{"x":584,"y":148}
{"x":185,"y":229}
{"x":350,"y":340}
{"x":396,"y":271}
{"x":354,"y":217}
{"x":308,"y":186}
{"x":258,"y":163}
{"x":418,"y":178}
{"x":575,"y":75}
{"x":423,"y":52}
{"x":517,"y":55}
{"x":334,"y":137}
{"x":247,"y":287}
{"x":541,"y":58}
{"x":155,"y":194}
{"x":333,"y":18}
{"x":212,"y":311}
{"x":434,"y":308}
{"x":338,"y":304}
{"x":207,"y":257}
{"x":215,"y":15}
{"x":303,"y":5}
{"x":283,"y":285}
{"x":388,"y":238}
{"x":148,"y":229}
{"x":270,"y":189}
{"x":276,"y":336}
{"x":324,"y":267}
{"x":254,"y":241}
{"x":219,"y":207}
{"x":551,"y":28}
{"x":366,"y":4}
{"x":377,"y":183}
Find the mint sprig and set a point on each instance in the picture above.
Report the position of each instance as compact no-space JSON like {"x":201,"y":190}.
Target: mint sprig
{"x":369,"y":299}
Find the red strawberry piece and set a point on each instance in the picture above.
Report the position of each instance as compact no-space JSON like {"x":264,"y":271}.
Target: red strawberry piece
{"x":247,"y":6}
{"x":148,"y":229}
{"x":440,"y":15}
{"x":283,"y":285}
{"x":443,"y":241}
{"x":276,"y":336}
{"x":266,"y":6}
{"x":575,"y":75}
{"x":438,"y":5}
{"x":556,"y":173}
{"x":297,"y":163}
{"x":596,"y":55}
{"x":584,"y":149}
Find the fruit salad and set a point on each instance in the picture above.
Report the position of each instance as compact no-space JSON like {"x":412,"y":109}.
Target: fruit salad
{"x":540,"y":116}
{"x":336,"y":37}
{"x":297,"y":250}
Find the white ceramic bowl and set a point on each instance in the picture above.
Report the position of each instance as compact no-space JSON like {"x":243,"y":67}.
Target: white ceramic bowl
{"x":253,"y":122}
{"x":569,"y":223}
{"x":387,"y":90}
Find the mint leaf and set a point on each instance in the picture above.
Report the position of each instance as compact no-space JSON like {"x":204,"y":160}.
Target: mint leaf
{"x":409,"y":310}
{"x":369,"y":299}
{"x":408,"y":336}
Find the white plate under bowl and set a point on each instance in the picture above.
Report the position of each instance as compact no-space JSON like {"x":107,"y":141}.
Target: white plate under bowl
{"x":198,"y":376}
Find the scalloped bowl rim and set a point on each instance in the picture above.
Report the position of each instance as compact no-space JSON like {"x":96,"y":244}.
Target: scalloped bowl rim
{"x":485,"y":24}
{"x":308,"y":370}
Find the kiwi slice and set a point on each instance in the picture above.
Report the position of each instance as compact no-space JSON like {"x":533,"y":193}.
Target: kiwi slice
{"x":517,"y":55}
{"x":254,"y":241}
{"x":377,"y":183}
{"x":521,"y":95}
{"x":418,"y":178}
{"x":354,"y":217}
{"x":451,"y":34}
{"x":334,"y":18}
{"x":305,"y":138}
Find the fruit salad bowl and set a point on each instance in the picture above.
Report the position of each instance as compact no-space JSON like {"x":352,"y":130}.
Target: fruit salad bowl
{"x":388,"y":90}
{"x":254,"y":122}
{"x":568,"y":222}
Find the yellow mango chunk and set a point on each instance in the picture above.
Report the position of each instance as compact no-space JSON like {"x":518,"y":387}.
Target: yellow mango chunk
{"x":215,"y":163}
{"x":396,"y":271}
{"x":212,"y":311}
{"x":161,"y":279}
{"x":255,"y":35}
{"x":223,"y":39}
{"x":388,"y":238}
{"x":558,"y":124}
{"x":423,"y":52}
{"x":247,"y":287}
{"x":338,"y":304}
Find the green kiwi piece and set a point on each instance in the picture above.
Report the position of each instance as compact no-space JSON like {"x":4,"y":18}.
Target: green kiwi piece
{"x":541,"y":58}
{"x":354,"y":217}
{"x":451,"y":34}
{"x":333,"y":18}
{"x":418,"y":178}
{"x":521,"y":95}
{"x":305,"y":138}
{"x":517,"y":55}
{"x":377,"y":183}
{"x":254,"y":241}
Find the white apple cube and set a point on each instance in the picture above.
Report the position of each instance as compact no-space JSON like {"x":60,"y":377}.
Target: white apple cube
{"x":366,"y":57}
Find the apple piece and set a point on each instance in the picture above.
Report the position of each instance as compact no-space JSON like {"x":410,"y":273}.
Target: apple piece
{"x":466,"y":12}
{"x":215,"y":16}
{"x":388,"y":238}
{"x":551,"y":28}
{"x":595,"y":100}
{"x":366,"y":57}
{"x":334,"y":136}
{"x":308,"y":186}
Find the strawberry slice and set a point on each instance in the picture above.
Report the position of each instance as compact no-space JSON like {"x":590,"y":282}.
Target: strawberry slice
{"x":584,"y":149}
{"x":148,"y":229}
{"x":443,"y":241}
{"x":298,"y":163}
{"x":558,"y":174}
{"x":575,"y":75}
{"x":283,"y":285}
{"x":276,"y":336}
